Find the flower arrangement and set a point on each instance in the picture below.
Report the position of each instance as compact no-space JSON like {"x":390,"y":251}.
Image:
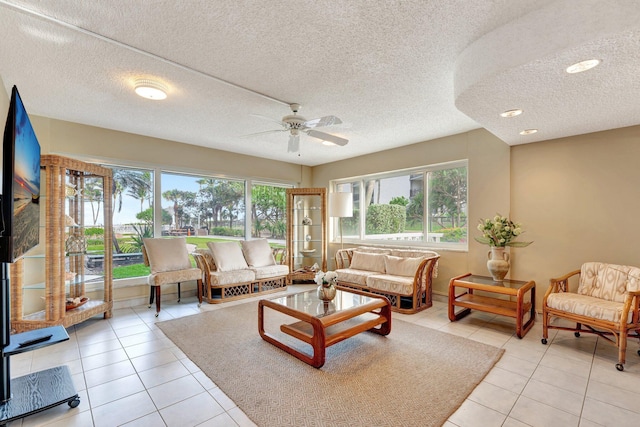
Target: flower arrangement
{"x":500,"y":231}
{"x":326,"y":279}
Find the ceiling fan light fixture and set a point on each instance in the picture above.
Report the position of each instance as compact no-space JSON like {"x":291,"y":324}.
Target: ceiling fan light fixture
{"x":150,"y":89}
{"x":511,"y":113}
{"x":581,"y":66}
{"x":329,"y":143}
{"x":528,"y":131}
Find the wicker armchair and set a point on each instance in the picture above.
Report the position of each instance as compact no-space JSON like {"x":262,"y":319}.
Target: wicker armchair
{"x":169,"y":263}
{"x":606,"y":304}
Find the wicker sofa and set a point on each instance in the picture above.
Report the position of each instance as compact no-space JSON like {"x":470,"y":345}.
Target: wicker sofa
{"x":233,"y":271}
{"x":404,"y":276}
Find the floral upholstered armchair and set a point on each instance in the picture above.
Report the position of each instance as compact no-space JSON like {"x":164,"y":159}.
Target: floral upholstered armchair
{"x":606,"y":304}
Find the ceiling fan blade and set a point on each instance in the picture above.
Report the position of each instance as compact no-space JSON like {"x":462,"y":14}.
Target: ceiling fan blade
{"x":268,"y":119}
{"x":294,"y":144}
{"x":262,"y":133}
{"x":322,"y":121}
{"x":327,"y":137}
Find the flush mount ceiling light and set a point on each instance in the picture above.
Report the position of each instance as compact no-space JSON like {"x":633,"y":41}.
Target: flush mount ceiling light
{"x":528,"y":131}
{"x":150,"y":89}
{"x":581,"y":66}
{"x":511,"y":113}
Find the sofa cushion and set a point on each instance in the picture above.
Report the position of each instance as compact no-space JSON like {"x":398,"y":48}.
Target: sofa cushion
{"x":606,"y":281}
{"x":227,"y":256}
{"x":177,"y":276}
{"x":586,"y":305}
{"x":167,"y":254}
{"x":234,"y":277}
{"x":270,"y":271}
{"x":257,"y":253}
{"x":367,"y":262}
{"x":387,"y":283}
{"x":399,"y":266}
{"x":351,"y":275}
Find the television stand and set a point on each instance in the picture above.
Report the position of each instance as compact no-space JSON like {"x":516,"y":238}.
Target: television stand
{"x":38,"y":391}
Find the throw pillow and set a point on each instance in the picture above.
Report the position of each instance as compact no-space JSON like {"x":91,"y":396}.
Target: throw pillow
{"x":400,"y":266}
{"x":227,"y":256}
{"x":368,"y":262}
{"x":257,"y":253}
{"x":167,"y":254}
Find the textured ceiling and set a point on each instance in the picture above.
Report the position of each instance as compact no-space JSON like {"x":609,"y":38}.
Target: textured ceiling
{"x":395,"y":72}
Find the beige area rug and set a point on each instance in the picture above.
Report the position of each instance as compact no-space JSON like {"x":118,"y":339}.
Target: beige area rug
{"x":415,"y":376}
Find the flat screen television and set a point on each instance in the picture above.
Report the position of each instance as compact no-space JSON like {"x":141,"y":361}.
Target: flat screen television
{"x":20,"y":203}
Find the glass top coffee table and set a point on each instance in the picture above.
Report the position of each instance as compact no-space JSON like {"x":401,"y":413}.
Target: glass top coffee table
{"x":323,"y":324}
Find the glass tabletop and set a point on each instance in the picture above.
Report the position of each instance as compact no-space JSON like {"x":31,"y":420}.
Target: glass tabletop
{"x":309,"y":303}
{"x":483,"y":280}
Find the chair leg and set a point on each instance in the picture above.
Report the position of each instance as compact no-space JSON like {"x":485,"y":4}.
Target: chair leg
{"x":178,"y":291}
{"x":545,"y":327}
{"x":157,"y":300}
{"x":622,"y":349}
{"x":151,"y":295}
{"x":199,"y":292}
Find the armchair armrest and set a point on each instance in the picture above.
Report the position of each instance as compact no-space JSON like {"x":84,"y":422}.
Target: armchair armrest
{"x":561,"y":284}
{"x":343,"y":258}
{"x":425,"y":273}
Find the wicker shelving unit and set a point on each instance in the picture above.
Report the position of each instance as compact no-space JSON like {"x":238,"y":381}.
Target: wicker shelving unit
{"x":57,"y":270}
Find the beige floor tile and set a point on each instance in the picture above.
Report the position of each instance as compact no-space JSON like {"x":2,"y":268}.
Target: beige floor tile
{"x":608,"y":415}
{"x":108,"y":373}
{"x":123,"y":410}
{"x":615,"y":396}
{"x":149,"y":361}
{"x":507,"y":380}
{"x":555,"y":397}
{"x":114,"y":390}
{"x":192,"y":411}
{"x":104,"y":359}
{"x":538,"y":414}
{"x":163,"y":374}
{"x":494,"y":397}
{"x":152,"y":420}
{"x":561,"y":379}
{"x":473,"y":414}
{"x":175,"y":391}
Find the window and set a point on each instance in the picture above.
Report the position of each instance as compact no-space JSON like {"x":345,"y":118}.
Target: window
{"x":202,"y":205}
{"x":394,"y":206}
{"x":268,"y":211}
{"x":132,"y":219}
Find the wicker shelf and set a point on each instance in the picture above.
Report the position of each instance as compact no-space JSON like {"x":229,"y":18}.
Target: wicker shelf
{"x":38,"y":299}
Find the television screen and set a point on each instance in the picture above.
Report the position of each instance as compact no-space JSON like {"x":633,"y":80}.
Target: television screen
{"x":20,"y":183}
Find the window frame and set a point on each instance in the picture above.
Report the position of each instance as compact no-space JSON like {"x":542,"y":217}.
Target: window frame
{"x":424,"y":170}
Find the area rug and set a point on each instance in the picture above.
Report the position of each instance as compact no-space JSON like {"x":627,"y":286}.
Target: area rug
{"x":415,"y":376}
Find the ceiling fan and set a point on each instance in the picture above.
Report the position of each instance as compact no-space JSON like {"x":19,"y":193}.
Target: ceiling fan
{"x":294,"y":124}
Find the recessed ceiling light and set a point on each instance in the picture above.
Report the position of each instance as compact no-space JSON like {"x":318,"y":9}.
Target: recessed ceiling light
{"x":511,"y":113}
{"x":528,"y":131}
{"x":150,"y":89}
{"x":582,"y":66}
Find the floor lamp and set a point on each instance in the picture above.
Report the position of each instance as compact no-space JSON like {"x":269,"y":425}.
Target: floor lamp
{"x":341,"y":206}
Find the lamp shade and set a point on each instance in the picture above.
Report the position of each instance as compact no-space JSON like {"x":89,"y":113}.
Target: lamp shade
{"x":340,"y":205}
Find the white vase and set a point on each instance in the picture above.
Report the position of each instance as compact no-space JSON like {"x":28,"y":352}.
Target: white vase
{"x":498,"y":264}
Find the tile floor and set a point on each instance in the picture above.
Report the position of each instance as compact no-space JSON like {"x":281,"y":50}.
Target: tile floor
{"x":127,"y":373}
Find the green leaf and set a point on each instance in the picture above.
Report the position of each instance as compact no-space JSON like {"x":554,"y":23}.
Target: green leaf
{"x":519,"y":244}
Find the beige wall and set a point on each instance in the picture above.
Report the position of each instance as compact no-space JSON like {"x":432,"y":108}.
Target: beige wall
{"x":578,"y":199}
{"x":488,"y":186}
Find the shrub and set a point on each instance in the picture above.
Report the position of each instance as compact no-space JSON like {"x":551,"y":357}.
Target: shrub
{"x":95,"y":232}
{"x":454,"y":234}
{"x":386,"y":219}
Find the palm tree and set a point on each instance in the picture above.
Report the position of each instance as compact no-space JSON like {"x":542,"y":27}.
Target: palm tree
{"x":123,"y":179}
{"x":141,"y":190}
